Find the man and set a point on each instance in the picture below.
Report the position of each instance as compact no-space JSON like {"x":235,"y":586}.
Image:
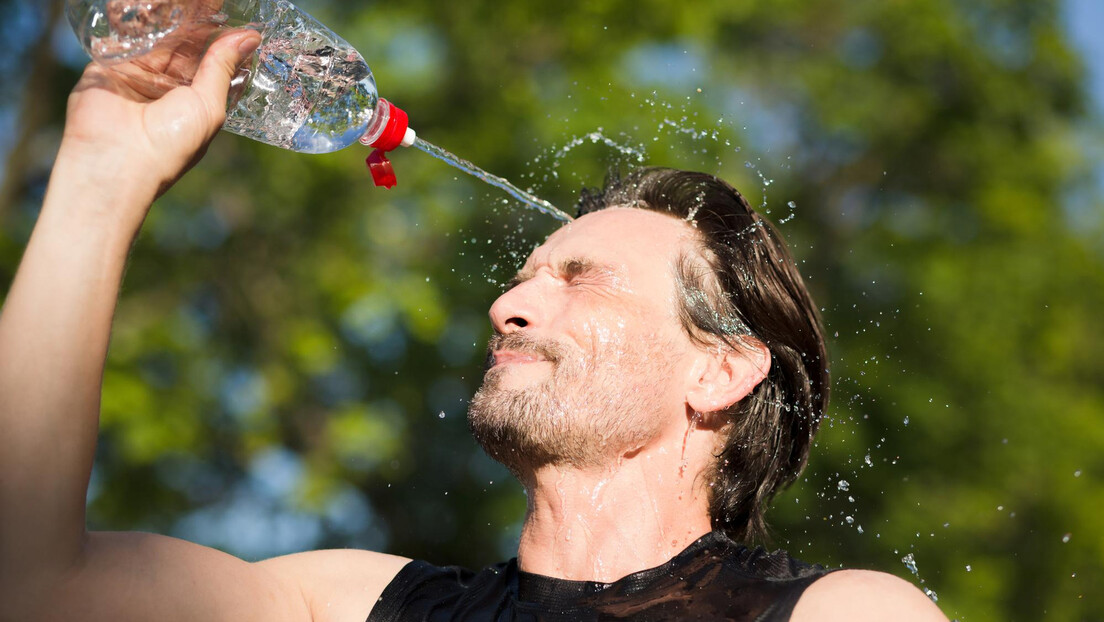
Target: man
{"x":627,"y":357}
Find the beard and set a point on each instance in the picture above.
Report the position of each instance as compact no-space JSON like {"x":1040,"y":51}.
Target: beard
{"x":588,"y":412}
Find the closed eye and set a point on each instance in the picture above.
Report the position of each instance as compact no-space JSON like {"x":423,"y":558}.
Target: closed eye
{"x":574,"y":271}
{"x":583,"y":272}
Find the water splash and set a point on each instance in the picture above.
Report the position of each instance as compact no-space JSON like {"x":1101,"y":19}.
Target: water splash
{"x":764,"y":181}
{"x":552,"y":159}
{"x":910,"y":562}
{"x":635,"y":153}
{"x":683,"y":127}
{"x":532,"y":201}
{"x":793,"y":212}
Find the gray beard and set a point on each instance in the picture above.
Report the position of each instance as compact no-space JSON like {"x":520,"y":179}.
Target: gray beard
{"x":585,"y":415}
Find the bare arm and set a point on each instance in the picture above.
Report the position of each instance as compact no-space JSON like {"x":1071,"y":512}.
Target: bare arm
{"x":119,"y":151}
{"x":864,"y":596}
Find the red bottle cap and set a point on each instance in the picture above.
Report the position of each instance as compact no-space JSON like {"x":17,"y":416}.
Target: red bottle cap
{"x":395,"y":130}
{"x":381,"y":170}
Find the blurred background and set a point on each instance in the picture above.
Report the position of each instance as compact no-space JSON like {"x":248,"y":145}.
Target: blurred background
{"x":294,"y":348}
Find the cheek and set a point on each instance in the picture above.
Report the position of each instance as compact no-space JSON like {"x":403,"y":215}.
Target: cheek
{"x":620,"y":333}
{"x":605,"y":333}
{"x":600,"y":334}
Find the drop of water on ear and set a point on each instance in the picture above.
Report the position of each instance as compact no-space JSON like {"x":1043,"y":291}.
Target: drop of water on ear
{"x":686,"y":439}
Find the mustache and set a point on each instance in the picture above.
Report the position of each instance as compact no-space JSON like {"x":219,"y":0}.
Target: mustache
{"x":524,"y":344}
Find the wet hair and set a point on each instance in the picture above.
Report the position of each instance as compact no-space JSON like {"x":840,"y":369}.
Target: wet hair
{"x":741,"y":285}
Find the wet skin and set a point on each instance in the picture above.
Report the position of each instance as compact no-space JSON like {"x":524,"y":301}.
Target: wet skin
{"x":604,"y":282}
{"x":601,"y":291}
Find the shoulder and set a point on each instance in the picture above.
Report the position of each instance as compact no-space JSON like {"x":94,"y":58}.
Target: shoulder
{"x":340,"y":584}
{"x":864,"y":596}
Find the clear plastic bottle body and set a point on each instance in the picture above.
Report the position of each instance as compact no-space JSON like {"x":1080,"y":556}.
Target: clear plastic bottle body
{"x":306,"y":89}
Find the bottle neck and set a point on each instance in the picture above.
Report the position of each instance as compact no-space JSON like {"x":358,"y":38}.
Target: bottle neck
{"x":389,"y":128}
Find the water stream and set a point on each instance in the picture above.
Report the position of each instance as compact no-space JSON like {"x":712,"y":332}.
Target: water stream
{"x":532,"y":201}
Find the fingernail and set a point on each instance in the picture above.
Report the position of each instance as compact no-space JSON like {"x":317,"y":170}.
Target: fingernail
{"x":247,"y":46}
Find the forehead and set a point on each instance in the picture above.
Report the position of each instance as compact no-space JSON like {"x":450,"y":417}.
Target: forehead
{"x":625,"y":238}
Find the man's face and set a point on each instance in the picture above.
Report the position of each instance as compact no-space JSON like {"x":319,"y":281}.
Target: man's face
{"x":585,"y":362}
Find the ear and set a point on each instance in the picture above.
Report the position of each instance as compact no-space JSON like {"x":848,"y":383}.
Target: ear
{"x":724,"y":375}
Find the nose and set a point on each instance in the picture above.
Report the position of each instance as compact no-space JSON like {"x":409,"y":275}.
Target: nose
{"x":518,"y":308}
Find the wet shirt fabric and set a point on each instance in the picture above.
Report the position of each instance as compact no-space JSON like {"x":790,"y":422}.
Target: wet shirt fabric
{"x":713,"y":579}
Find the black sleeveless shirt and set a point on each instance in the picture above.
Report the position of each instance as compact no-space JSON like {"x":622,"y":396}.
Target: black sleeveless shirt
{"x":713,"y":579}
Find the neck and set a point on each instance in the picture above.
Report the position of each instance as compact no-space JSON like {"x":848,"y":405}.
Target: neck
{"x":604,"y":523}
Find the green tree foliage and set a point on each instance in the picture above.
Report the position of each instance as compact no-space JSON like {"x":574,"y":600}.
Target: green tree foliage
{"x":294,"y":348}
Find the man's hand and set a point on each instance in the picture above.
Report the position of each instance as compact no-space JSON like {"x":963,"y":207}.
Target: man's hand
{"x":129,"y":146}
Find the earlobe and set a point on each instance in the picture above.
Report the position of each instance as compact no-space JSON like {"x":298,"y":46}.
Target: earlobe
{"x":727,"y":375}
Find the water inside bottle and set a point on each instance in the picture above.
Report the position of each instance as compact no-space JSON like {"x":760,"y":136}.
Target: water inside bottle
{"x":311,"y":91}
{"x":123,"y":29}
{"x":306,"y":90}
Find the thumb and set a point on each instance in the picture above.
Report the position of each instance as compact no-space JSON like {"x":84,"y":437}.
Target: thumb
{"x":220,"y":64}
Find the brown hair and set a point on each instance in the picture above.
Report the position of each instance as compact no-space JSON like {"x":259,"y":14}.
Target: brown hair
{"x":751,"y":289}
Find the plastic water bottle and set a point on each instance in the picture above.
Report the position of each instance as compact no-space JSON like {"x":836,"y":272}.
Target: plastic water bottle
{"x":305,"y":89}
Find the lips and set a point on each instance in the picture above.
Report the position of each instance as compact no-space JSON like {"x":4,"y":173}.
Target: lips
{"x":502,"y":357}
{"x":519,"y":348}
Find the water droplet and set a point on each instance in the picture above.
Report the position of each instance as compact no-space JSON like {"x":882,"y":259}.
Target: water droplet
{"x":910,"y":562}
{"x":1066,"y":538}
{"x":844,"y":485}
{"x":441,"y":415}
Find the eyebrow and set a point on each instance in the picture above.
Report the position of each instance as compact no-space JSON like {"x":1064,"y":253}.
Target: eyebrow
{"x":569,"y":268}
